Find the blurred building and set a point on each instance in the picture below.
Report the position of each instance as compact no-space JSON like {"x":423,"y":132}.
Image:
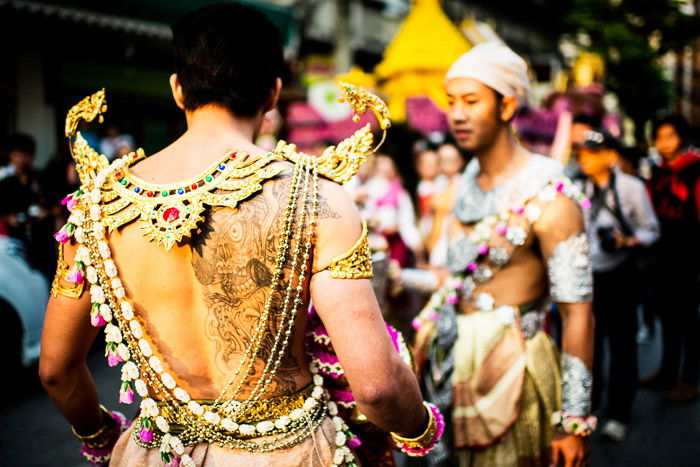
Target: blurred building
{"x":57,"y":52}
{"x":53,"y":54}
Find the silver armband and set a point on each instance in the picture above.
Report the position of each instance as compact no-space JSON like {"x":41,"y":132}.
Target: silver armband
{"x":570,"y":271}
{"x":419,"y":280}
{"x":576,"y":385}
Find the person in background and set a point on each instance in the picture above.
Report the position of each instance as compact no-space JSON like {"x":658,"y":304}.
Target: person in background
{"x":451,"y":165}
{"x":430,"y":184}
{"x":23,"y":212}
{"x":389,"y":212}
{"x":516,"y":239}
{"x":633,"y":161}
{"x":675,"y":192}
{"x":116,"y":143}
{"x":620,"y":219}
{"x":580,"y":124}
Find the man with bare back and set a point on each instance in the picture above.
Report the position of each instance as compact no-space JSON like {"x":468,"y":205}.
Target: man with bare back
{"x":516,"y":239}
{"x":200,"y":262}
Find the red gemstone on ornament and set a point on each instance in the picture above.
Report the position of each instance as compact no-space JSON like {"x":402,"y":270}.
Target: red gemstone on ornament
{"x":232,"y":156}
{"x":171,"y":214}
{"x":150,"y":194}
{"x":135,"y":155}
{"x":194,"y":186}
{"x":118,"y":175}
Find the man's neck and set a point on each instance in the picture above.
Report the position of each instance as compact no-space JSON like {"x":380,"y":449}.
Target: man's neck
{"x":215,"y":122}
{"x":496,"y":161}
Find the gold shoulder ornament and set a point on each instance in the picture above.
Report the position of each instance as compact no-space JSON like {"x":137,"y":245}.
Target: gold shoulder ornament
{"x":341,"y":162}
{"x":168,"y":213}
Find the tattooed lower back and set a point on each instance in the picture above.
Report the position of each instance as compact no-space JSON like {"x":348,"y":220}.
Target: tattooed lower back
{"x":233,"y":257}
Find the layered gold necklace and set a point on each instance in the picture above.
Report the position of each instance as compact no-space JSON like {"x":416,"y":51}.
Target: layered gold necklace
{"x":170,"y":212}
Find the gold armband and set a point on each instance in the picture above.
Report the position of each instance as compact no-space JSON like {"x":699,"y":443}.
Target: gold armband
{"x":63,"y":273}
{"x":356,"y":263}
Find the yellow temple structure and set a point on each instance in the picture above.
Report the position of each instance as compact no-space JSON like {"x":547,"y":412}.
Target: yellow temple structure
{"x":415,"y":62}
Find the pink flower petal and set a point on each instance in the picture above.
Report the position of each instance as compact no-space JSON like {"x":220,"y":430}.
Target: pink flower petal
{"x":146,"y":435}
{"x":97,"y":320}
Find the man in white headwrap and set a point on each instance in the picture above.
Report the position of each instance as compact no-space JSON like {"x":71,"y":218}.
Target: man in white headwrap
{"x":516,"y":243}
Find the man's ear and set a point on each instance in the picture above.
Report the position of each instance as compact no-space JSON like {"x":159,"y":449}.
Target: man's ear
{"x":274,"y":95}
{"x":509,"y":105}
{"x":176,"y":89}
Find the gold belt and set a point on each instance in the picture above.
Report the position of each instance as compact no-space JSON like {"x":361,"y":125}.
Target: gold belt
{"x":249,"y":412}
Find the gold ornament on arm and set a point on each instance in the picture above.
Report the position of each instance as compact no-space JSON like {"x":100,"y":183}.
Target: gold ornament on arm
{"x":356,"y":263}
{"x":74,"y":290}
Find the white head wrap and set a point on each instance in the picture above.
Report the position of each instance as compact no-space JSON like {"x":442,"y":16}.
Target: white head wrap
{"x":495,"y":65}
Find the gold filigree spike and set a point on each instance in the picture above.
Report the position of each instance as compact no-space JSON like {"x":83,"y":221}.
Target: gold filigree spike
{"x":361,"y":101}
{"x":340,"y":163}
{"x":87,"y":109}
{"x":88,"y":161}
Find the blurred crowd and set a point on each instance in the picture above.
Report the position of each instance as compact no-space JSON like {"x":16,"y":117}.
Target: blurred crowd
{"x":643,"y":225}
{"x":644,"y":230}
{"x":31,"y":209}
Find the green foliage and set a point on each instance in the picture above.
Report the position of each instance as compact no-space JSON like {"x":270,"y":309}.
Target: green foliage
{"x":632,"y":36}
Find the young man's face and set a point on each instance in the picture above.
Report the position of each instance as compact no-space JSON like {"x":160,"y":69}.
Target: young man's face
{"x":474,"y":113}
{"x":596,"y":162}
{"x":21,"y":160}
{"x":667,"y":141}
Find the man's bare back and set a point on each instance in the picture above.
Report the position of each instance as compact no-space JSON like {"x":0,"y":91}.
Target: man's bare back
{"x":201,"y":300}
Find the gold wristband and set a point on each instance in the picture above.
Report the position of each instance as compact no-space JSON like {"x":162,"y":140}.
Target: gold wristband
{"x":423,"y":439}
{"x":95,"y":440}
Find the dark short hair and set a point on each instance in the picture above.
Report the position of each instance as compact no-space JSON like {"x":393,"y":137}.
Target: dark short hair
{"x":227,"y":54}
{"x":21,"y":142}
{"x":586,"y":119}
{"x":678,"y":123}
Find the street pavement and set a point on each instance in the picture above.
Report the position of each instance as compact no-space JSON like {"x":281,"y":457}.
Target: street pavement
{"x":660,"y":434}
{"x":34,"y":434}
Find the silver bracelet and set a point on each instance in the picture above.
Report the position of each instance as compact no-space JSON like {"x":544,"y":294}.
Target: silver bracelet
{"x":576,"y":386}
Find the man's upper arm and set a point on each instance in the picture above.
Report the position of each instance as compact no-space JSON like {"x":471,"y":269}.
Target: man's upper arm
{"x":565,"y":250}
{"x":339,"y":225}
{"x":647,"y":228}
{"x":348,"y":307}
{"x":67,"y":333}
